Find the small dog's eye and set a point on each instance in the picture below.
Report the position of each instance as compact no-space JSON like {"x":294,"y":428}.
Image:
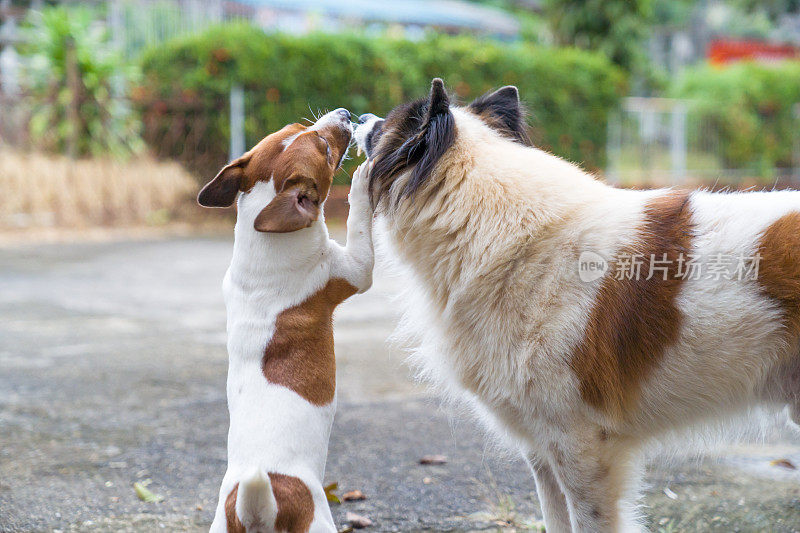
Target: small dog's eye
{"x":327,"y":148}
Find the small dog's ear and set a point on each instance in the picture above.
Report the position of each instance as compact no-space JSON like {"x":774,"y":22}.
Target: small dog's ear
{"x":503,"y":111}
{"x":221,"y":191}
{"x":294,"y":208}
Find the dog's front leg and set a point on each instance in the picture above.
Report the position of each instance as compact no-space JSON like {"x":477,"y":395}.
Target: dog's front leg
{"x":593,"y":474}
{"x":554,"y":505}
{"x":356,"y":260}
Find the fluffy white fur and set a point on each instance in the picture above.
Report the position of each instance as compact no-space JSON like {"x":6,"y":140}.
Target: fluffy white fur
{"x":272,"y":428}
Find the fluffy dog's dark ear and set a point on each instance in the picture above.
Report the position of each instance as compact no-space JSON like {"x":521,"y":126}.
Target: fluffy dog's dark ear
{"x":419,"y":133}
{"x":503,"y":111}
{"x":221,"y":191}
{"x":434,"y":138}
{"x":438,"y":101}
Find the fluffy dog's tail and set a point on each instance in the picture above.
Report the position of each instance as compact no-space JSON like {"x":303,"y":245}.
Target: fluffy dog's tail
{"x":256,"y":507}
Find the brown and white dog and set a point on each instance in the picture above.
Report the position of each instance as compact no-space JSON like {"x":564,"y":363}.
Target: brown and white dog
{"x":285,"y":279}
{"x":527,"y":301}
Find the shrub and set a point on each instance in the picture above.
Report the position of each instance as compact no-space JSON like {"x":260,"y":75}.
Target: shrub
{"x":74,"y":78}
{"x":569,"y":92}
{"x":751,"y":106}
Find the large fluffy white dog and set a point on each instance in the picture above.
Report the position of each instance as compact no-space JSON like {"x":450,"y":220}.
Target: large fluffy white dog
{"x":581,"y":320}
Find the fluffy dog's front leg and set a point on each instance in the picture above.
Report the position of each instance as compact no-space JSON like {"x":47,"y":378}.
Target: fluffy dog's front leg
{"x":554,"y":505}
{"x":356,"y":260}
{"x":593,"y":472}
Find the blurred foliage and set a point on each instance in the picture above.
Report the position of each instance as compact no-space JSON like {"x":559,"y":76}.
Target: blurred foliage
{"x":75,"y":81}
{"x":752,"y":105}
{"x":771,"y":8}
{"x":617,"y":28}
{"x":569,"y":92}
{"x":673,"y":13}
{"x":533,"y":27}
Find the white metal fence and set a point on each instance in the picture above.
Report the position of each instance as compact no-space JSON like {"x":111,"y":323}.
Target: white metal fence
{"x":137,"y":24}
{"x":662,"y":141}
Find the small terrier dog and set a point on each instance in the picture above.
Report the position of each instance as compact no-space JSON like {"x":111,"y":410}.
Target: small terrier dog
{"x":285,"y":279}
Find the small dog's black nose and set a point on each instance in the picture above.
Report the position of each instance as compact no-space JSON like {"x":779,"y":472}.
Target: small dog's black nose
{"x":344,"y":112}
{"x":365,"y":117}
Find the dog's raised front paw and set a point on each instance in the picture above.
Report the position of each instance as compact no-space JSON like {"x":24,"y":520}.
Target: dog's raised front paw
{"x":359,"y":187}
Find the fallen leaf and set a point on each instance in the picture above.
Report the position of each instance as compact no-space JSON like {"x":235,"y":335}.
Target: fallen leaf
{"x":433,"y":460}
{"x":357,"y":521}
{"x":353,"y":496}
{"x":427,"y":480}
{"x":330,"y":494}
{"x":346,"y":529}
{"x":671,"y":495}
{"x":145,"y":494}
{"x":783,"y":463}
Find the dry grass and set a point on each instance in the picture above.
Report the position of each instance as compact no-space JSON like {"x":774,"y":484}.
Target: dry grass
{"x":41,"y":191}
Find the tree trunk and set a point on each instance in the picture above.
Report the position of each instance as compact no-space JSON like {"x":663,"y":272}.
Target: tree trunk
{"x":74,"y":106}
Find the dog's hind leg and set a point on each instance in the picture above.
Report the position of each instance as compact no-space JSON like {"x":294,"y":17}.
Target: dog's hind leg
{"x":782,"y":388}
{"x":790,"y":385}
{"x":551,"y":498}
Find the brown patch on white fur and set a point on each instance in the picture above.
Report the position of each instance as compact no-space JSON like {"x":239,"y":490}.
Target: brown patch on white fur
{"x":634,"y":320}
{"x":307,"y":156}
{"x":313,"y":154}
{"x":234,"y":524}
{"x":779,"y":269}
{"x":300,"y":355}
{"x":295,"y":505}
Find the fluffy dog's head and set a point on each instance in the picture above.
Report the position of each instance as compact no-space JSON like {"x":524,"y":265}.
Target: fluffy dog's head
{"x":413,"y":137}
{"x":300,"y":162}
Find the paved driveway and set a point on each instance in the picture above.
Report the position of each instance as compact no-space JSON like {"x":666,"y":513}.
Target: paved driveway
{"x":112,"y":370}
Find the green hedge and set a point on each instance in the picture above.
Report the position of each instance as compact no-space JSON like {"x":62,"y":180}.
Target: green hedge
{"x":568,"y":92}
{"x":751,"y":105}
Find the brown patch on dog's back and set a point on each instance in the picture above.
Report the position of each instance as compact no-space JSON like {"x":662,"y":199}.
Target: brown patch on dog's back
{"x":295,"y":505}
{"x":633,"y":321}
{"x":779,"y":268}
{"x":234,"y":524}
{"x":300,"y":355}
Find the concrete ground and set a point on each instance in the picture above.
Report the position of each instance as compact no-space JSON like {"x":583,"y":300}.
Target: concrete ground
{"x":112,"y":371}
